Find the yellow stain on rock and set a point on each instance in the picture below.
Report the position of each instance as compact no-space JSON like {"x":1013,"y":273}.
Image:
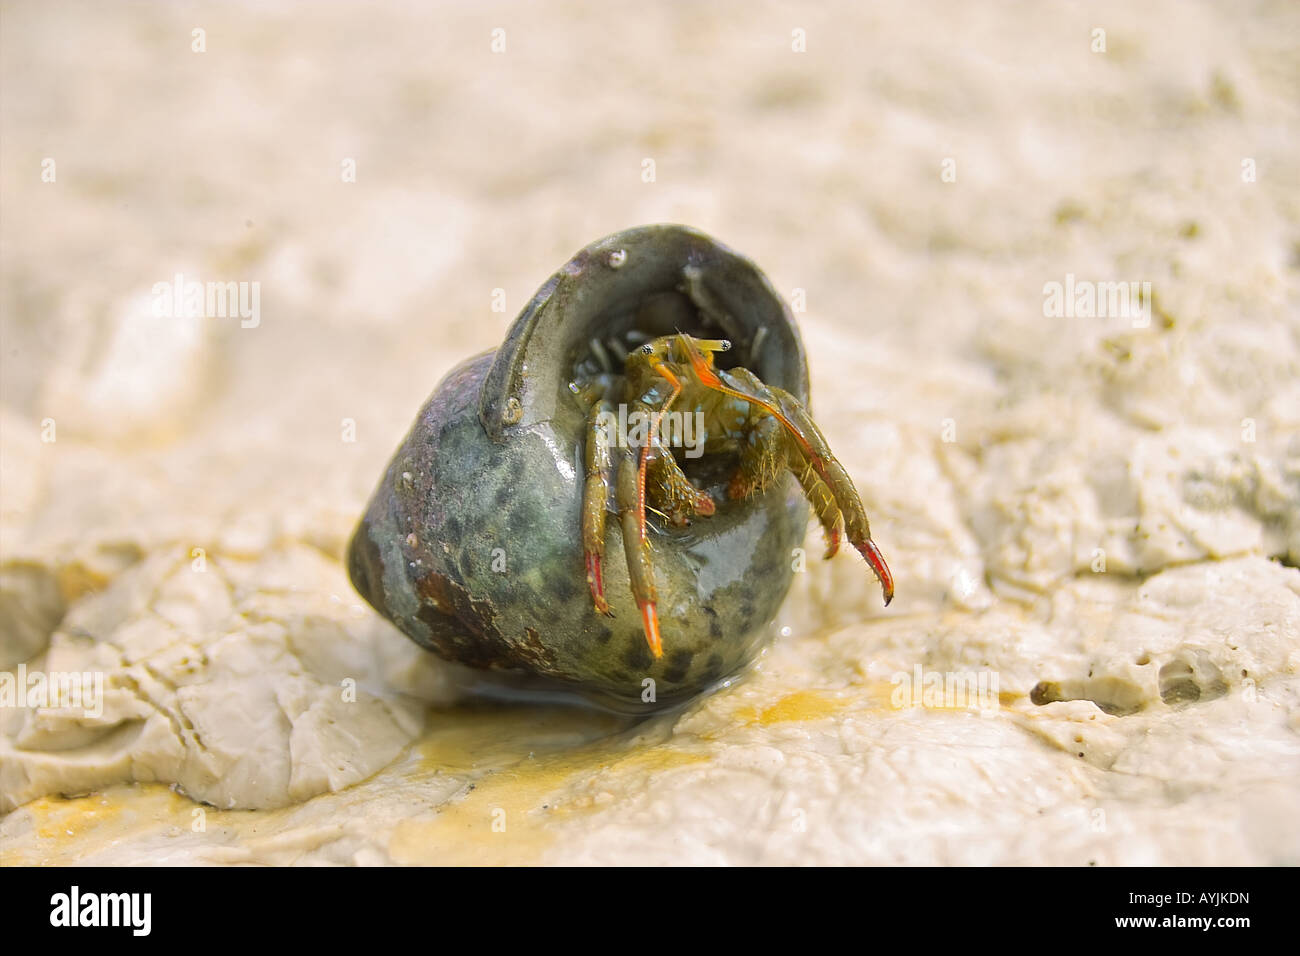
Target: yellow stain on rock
{"x":510,"y":815}
{"x":528,"y":770}
{"x":65,"y":825}
{"x":799,"y":706}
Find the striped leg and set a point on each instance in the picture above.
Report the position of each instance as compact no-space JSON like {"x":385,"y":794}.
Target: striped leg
{"x":818,"y":458}
{"x":823,"y":504}
{"x":595,"y":497}
{"x":636,"y":543}
{"x":769,"y":452}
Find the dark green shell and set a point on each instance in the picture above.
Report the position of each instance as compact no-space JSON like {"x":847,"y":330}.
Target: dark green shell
{"x":472,"y":542}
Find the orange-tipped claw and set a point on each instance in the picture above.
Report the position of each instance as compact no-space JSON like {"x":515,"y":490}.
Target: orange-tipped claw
{"x":704,"y":504}
{"x":874,"y":558}
{"x":833,"y":546}
{"x":596,"y":580}
{"x":650,"y":619}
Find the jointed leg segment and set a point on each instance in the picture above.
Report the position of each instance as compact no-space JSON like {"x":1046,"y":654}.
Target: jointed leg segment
{"x":595,"y":493}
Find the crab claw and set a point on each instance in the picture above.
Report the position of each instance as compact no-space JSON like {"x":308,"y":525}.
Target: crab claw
{"x":874,"y":558}
{"x":596,"y":581}
{"x":650,"y":621}
{"x":833,"y":547}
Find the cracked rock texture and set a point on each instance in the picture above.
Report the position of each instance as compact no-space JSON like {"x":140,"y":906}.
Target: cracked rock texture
{"x":1094,"y":521}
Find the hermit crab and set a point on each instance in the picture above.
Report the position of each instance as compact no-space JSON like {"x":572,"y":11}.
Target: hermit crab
{"x":766,"y":428}
{"x":651,"y":399}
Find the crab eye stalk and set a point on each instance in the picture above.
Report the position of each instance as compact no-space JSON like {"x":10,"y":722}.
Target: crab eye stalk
{"x":709,"y":346}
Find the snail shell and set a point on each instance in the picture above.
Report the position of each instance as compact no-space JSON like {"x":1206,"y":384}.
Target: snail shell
{"x":472,"y":542}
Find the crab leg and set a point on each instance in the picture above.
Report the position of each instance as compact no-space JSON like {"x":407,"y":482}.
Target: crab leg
{"x":637,"y":543}
{"x":769,"y":452}
{"x":811,"y":444}
{"x":640,"y":568}
{"x":671,"y":491}
{"x":824,"y":506}
{"x":595,"y":495}
{"x":762,"y":458}
{"x":819,"y":457}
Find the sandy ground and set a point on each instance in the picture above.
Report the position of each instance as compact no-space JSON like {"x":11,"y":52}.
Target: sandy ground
{"x":1093,"y":517}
